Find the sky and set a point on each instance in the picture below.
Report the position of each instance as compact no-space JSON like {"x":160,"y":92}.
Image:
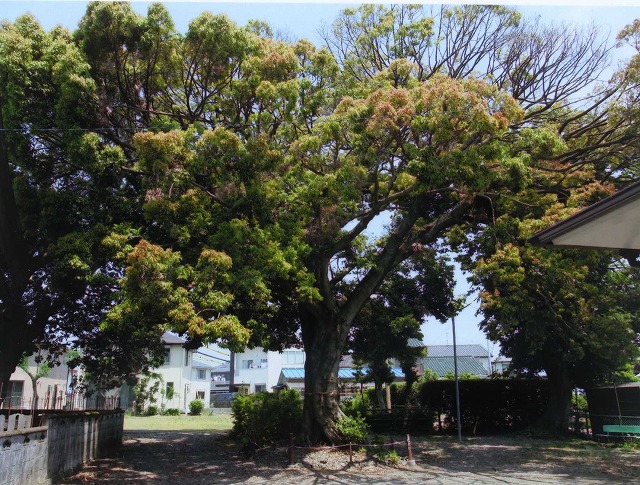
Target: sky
{"x":296,"y":19}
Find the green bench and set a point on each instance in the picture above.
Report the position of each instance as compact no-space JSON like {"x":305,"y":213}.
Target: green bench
{"x":632,"y":429}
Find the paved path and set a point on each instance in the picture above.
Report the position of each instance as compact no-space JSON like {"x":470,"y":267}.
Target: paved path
{"x":176,"y":458}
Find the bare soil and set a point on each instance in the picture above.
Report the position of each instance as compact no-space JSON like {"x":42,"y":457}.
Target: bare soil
{"x":197,"y":457}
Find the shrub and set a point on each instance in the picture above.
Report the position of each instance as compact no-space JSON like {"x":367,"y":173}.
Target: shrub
{"x":353,"y":429}
{"x":172,"y":412}
{"x":195,"y":407}
{"x":152,"y":411}
{"x":264,"y":418}
{"x":388,"y":457}
{"x":357,"y":406}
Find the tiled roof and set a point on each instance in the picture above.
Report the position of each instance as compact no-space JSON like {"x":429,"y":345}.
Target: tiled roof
{"x":171,"y":339}
{"x":474,"y":350}
{"x":293,"y":373}
{"x":444,"y":365}
{"x":343,"y":373}
{"x":415,"y":343}
{"x":199,"y":364}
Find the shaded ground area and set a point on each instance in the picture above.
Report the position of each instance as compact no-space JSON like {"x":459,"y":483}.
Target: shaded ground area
{"x":197,"y":457}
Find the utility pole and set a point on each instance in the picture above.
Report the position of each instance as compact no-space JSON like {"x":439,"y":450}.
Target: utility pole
{"x":455,"y":373}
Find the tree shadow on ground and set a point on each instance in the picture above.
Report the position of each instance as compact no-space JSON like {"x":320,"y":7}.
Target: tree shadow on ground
{"x":521,"y":456}
{"x":197,"y":457}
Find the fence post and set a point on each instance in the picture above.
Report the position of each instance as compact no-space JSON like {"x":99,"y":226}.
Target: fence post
{"x":410,"y":460}
{"x":291,"y":443}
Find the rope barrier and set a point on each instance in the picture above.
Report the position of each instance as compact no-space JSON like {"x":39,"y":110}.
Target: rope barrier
{"x":293,"y":446}
{"x":332,"y":447}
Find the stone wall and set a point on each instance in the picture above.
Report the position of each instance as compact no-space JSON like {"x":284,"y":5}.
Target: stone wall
{"x":67,"y":441}
{"x":23,"y":457}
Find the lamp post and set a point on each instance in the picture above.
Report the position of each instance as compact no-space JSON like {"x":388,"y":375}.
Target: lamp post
{"x":455,"y":374}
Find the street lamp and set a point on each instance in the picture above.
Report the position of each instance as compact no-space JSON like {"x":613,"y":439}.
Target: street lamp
{"x":455,"y":375}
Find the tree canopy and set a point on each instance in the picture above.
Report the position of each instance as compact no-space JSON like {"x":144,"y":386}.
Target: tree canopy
{"x":223,"y":183}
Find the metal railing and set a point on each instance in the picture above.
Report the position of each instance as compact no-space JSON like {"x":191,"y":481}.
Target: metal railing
{"x":63,"y":402}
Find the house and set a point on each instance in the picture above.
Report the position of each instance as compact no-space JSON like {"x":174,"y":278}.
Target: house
{"x":184,"y":376}
{"x":220,"y":379}
{"x":51,"y":389}
{"x":259,"y":371}
{"x":501,"y":364}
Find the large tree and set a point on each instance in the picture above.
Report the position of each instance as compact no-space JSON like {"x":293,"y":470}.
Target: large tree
{"x":245,"y":172}
{"x":569,"y":313}
{"x":60,"y":194}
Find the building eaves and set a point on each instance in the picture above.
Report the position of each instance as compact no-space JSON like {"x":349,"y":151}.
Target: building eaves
{"x":611,"y":203}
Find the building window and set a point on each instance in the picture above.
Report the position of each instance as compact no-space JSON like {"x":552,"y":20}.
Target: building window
{"x":293,"y":357}
{"x":202,"y":374}
{"x":186,"y":357}
{"x":167,"y":355}
{"x":169,"y":391}
{"x":247,"y":364}
{"x":13,"y":394}
{"x":200,"y":395}
{"x":261,"y":388}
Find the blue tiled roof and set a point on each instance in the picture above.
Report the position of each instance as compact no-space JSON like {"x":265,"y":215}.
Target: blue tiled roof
{"x":293,"y":373}
{"x":343,"y":373}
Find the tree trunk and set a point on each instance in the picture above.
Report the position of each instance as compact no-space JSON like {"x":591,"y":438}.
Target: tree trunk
{"x":556,"y":417}
{"x":379,"y":395}
{"x":324,"y":341}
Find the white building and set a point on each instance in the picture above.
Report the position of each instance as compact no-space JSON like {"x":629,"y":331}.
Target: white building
{"x":184,"y":376}
{"x":51,"y":389}
{"x":259,"y":371}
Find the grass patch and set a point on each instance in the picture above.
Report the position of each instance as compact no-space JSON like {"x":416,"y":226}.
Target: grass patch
{"x":216,"y":422}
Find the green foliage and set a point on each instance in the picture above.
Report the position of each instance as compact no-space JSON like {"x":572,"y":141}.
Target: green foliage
{"x":145,"y":390}
{"x":172,"y":412}
{"x":428,"y":375}
{"x":357,"y":406}
{"x":579,"y":403}
{"x":229,"y":184}
{"x":401,"y":397}
{"x":196,"y":407}
{"x":151,"y":411}
{"x":388,"y":457}
{"x":353,"y":429}
{"x":264,"y":418}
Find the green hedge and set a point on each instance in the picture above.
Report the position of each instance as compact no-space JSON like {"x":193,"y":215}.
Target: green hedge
{"x":264,"y":418}
{"x":486,"y":405}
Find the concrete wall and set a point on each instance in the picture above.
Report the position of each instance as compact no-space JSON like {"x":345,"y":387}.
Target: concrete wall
{"x":38,"y":456}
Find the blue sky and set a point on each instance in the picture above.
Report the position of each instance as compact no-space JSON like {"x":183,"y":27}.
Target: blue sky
{"x":304,"y":19}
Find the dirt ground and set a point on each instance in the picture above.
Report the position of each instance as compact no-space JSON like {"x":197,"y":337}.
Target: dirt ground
{"x":176,"y":458}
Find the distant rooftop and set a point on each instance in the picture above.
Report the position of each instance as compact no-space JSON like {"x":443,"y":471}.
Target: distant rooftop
{"x":343,"y":373}
{"x":171,"y":339}
{"x":473,"y":350}
{"x":200,"y":364}
{"x":444,"y":365}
